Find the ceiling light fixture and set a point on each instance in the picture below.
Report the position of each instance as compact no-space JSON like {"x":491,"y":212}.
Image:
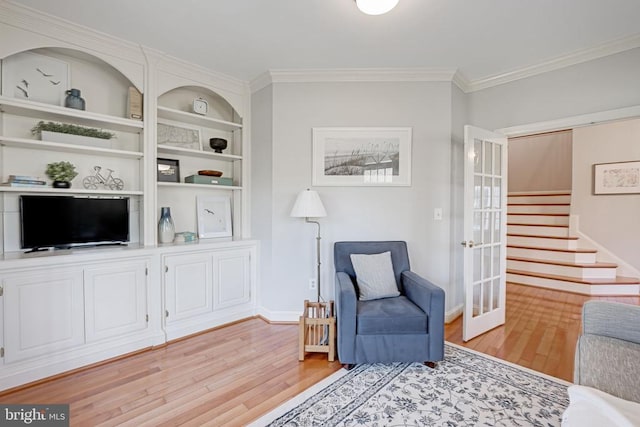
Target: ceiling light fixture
{"x":376,"y":7}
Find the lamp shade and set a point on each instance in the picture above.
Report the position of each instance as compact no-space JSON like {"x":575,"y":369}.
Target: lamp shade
{"x":376,"y":7}
{"x":308,"y":205}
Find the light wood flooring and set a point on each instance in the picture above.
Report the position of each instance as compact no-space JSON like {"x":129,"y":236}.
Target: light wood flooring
{"x":540,"y":332}
{"x":232,"y":375}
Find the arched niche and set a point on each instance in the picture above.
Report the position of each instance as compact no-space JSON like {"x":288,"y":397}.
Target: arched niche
{"x":103,"y":86}
{"x":181,"y":98}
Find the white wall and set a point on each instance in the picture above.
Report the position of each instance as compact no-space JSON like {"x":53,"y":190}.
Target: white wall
{"x":261,"y":179}
{"x":540,"y":162}
{"x":459,"y":118}
{"x":610,"y":220}
{"x":603,"y":84}
{"x":355,"y":213}
{"x":437,"y":112}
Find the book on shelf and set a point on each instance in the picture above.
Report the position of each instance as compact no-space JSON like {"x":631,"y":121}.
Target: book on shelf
{"x":212,"y":180}
{"x":26,"y":179}
{"x":23,"y":184}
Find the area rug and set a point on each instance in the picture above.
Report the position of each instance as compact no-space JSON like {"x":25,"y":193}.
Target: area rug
{"x":466,"y":389}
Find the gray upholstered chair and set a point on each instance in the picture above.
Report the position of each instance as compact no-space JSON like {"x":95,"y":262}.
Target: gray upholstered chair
{"x":608,"y":351}
{"x":406,"y":328}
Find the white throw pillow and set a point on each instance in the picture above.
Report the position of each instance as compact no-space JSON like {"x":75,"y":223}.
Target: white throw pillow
{"x":374,"y":274}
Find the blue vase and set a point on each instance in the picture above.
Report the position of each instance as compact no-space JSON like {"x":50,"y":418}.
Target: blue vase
{"x":166,"y":230}
{"x":73,"y":99}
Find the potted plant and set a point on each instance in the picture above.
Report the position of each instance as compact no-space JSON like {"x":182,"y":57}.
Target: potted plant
{"x":61,"y":173}
{"x":72,"y":134}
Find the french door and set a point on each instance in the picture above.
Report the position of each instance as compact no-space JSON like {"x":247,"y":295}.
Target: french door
{"x":485,"y":225}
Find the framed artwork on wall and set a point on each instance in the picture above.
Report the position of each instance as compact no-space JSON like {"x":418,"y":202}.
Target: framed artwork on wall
{"x":362,"y":156}
{"x":35,"y":77}
{"x":214,"y":216}
{"x":616,"y":178}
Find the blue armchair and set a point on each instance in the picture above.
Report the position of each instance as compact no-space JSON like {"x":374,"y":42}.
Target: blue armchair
{"x":406,"y":328}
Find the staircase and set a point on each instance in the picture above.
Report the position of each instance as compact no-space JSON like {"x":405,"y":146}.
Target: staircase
{"x":541,"y":252}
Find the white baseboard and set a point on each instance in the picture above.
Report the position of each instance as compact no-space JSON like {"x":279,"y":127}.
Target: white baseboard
{"x":294,"y":316}
{"x":534,"y":193}
{"x":453,"y":314}
{"x":604,"y":255}
{"x":279,"y":316}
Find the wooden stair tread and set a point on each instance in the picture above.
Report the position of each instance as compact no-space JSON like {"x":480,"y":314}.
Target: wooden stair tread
{"x":537,"y":194}
{"x":543,"y":237}
{"x":539,"y":225}
{"x":619,"y":280}
{"x":536,"y":214}
{"x":538,"y":204}
{"x":579,"y":251}
{"x":564,"y":263}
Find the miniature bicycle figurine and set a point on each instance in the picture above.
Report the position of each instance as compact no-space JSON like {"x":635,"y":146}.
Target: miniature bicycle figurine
{"x":91,"y":182}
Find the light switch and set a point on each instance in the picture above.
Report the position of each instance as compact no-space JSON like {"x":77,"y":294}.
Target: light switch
{"x":437,"y":214}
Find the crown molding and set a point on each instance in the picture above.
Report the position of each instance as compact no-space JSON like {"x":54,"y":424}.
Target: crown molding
{"x":353,"y":75}
{"x":577,"y":57}
{"x":572,"y":122}
{"x":461,"y":81}
{"x":66,"y":32}
{"x":260,"y":82}
{"x":89,"y":40}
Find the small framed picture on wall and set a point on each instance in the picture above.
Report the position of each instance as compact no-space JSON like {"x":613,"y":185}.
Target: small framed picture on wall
{"x":617,"y":178}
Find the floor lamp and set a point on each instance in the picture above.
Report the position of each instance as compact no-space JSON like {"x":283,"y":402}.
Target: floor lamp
{"x":308,"y":205}
{"x":317,"y":323}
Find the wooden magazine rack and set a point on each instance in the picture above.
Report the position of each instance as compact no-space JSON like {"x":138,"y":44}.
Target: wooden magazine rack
{"x":317,"y":329}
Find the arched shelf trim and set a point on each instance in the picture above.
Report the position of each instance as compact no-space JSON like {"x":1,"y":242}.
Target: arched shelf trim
{"x":181,"y":97}
{"x":119,"y":65}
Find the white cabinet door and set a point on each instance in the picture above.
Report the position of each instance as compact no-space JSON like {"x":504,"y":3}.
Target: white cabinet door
{"x":43,"y":313}
{"x":232,"y":278}
{"x":115,"y":300}
{"x":188,"y":286}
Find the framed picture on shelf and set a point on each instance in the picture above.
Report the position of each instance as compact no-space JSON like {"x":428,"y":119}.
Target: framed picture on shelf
{"x":180,"y":136}
{"x":35,"y":77}
{"x":616,"y":178}
{"x":369,"y":156}
{"x":168,"y":170}
{"x":214,"y":216}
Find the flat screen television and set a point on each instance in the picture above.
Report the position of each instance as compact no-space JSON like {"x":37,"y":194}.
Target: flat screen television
{"x":66,"y":221}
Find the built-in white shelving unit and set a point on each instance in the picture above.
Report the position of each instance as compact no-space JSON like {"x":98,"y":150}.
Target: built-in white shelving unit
{"x":145,"y":293}
{"x":222,"y":120}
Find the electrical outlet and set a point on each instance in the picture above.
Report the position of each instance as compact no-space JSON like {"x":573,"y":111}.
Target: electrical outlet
{"x":437,"y":214}
{"x":312,"y":284}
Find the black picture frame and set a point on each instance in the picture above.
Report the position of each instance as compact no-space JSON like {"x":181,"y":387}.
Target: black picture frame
{"x":168,"y":170}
